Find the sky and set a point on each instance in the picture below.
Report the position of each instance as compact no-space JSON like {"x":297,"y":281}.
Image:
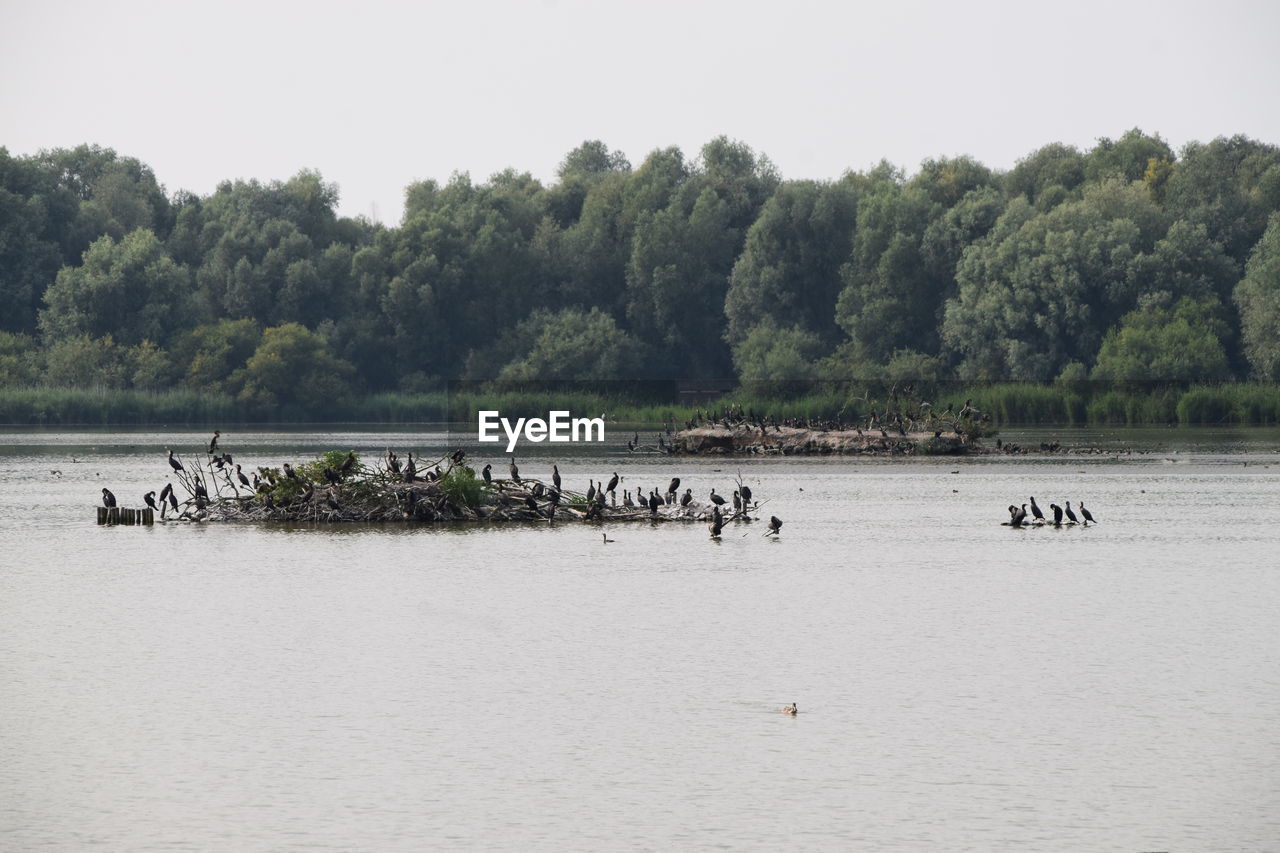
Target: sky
{"x":379,"y":94}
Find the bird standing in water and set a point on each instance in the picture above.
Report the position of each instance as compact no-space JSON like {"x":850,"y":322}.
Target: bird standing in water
{"x":775,"y":525}
{"x":717,"y":523}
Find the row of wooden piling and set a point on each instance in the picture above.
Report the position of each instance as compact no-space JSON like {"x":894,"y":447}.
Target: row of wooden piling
{"x":126,"y":515}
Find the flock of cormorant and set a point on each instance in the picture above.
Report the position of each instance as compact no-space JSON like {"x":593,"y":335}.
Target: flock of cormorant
{"x":1018,"y":515}
{"x":541,"y":500}
{"x":903,"y":412}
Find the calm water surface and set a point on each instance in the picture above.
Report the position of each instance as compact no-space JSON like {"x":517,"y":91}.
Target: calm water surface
{"x":961,"y":685}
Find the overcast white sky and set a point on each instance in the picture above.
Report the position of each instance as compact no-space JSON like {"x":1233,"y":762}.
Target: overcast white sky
{"x":377,"y":94}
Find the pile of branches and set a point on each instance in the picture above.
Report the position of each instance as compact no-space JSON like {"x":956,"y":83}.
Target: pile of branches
{"x":339,"y":487}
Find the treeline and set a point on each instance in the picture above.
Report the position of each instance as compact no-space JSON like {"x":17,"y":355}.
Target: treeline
{"x":1126,"y":262}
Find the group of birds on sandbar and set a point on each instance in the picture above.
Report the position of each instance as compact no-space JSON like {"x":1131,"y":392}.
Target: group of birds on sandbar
{"x":1018,"y":515}
{"x":604,"y":493}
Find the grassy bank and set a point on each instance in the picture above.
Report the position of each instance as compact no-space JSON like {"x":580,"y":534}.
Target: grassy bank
{"x":1007,"y":403}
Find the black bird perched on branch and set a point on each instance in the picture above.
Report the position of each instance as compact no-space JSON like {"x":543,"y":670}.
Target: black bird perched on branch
{"x":1071,"y":515}
{"x":487,"y":473}
{"x":1088,"y":516}
{"x":716,"y":499}
{"x":108,"y":499}
{"x":746,"y":496}
{"x":150,"y":499}
{"x":591,"y":490}
{"x":1057,"y":515}
{"x":410,"y":469}
{"x":174,"y":463}
{"x":348,"y":463}
{"x":173,"y":499}
{"x":288,"y":471}
{"x":775,"y":525}
{"x":613,"y":482}
{"x":555,"y":476}
{"x":213,"y":442}
{"x":515,"y":472}
{"x":674,"y":487}
{"x":1035,"y":510}
{"x":244,"y":481}
{"x":458,"y":456}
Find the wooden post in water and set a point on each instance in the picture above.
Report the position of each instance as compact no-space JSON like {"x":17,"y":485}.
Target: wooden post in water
{"x":126,"y":515}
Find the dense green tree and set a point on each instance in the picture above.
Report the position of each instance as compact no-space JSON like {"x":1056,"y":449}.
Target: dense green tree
{"x":37,"y":231}
{"x":1157,"y":341}
{"x":294,"y":367}
{"x":118,"y":194}
{"x":908,"y":240}
{"x":789,"y":270}
{"x":213,"y":352}
{"x":20,"y":360}
{"x":1230,"y":186}
{"x":573,"y":344}
{"x":1047,"y":176}
{"x":1127,"y":158}
{"x":676,"y":268}
{"x":1041,"y":289}
{"x":1258,"y":299}
{"x":129,"y":289}
{"x":769,"y":354}
{"x":81,"y":361}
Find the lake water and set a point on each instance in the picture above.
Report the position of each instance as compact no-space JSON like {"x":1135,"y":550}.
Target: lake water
{"x":962,"y":685}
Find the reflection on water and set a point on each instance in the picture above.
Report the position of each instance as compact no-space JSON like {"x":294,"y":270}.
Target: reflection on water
{"x":962,"y":685}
